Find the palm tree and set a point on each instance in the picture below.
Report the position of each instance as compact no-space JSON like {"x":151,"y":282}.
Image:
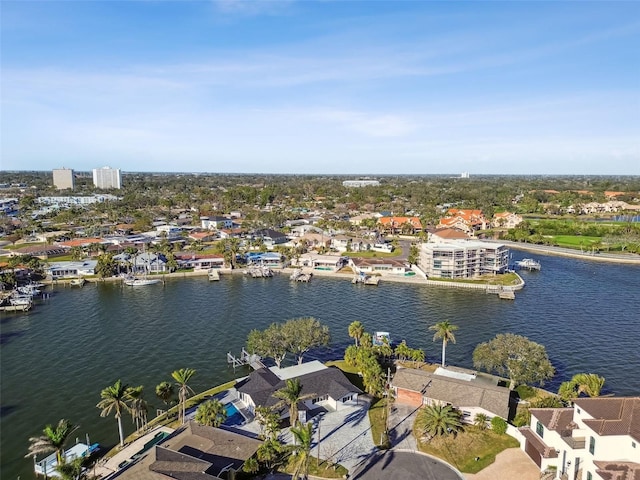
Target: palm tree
{"x":211,"y":413}
{"x":303,"y":436}
{"x":182,"y":378}
{"x":138,"y":407}
{"x":115,"y":398}
{"x":356,"y":330}
{"x":480,"y":421}
{"x":444,"y":330}
{"x":436,"y":420}
{"x":290,"y":396}
{"x":52,"y":439}
{"x":164,"y":391}
{"x":75,"y":469}
{"x":589,"y":383}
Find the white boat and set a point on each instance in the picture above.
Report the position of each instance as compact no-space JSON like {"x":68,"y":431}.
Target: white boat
{"x":528,"y":264}
{"x":77,"y":282}
{"x":47,"y":466}
{"x":213,"y":275}
{"x":382,"y":338}
{"x":28,"y":290}
{"x":140,"y":281}
{"x":17,"y":299}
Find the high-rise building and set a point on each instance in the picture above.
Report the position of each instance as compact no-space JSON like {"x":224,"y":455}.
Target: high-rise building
{"x":63,"y":178}
{"x":107,"y":177}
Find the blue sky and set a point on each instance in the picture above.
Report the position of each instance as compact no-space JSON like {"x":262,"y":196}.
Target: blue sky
{"x":324,"y":87}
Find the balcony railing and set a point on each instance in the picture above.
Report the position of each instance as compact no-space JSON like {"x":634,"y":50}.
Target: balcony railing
{"x":574,"y":443}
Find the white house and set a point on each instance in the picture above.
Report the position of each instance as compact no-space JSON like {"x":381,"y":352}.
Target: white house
{"x":596,"y":439}
{"x":382,"y":266}
{"x":72,"y":269}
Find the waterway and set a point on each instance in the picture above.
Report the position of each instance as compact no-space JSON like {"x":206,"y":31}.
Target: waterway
{"x":56,"y":359}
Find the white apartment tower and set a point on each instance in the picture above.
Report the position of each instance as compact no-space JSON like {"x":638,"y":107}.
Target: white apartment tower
{"x":63,"y":178}
{"x":107,"y":177}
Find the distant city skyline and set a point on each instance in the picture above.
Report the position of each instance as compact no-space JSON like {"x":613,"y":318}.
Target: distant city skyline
{"x":352,"y":88}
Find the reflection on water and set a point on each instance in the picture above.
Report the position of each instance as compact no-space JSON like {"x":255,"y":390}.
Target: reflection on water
{"x":57,"y":358}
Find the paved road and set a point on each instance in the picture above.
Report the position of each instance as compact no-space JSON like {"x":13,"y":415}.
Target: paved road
{"x":399,"y":465}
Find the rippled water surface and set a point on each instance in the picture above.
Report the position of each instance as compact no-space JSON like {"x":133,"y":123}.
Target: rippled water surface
{"x":57,"y":358}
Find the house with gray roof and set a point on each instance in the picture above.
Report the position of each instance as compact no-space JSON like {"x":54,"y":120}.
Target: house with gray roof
{"x":467,"y":391}
{"x":327,"y":387}
{"x":193,"y":452}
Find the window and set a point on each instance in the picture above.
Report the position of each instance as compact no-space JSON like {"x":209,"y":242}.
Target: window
{"x":539,"y":429}
{"x":633,"y":444}
{"x":592,"y":445}
{"x":589,"y":476}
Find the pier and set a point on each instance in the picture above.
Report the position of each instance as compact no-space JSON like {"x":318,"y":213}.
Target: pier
{"x":246,"y":358}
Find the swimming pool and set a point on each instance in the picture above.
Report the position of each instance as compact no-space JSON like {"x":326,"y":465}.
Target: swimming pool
{"x":234,"y":417}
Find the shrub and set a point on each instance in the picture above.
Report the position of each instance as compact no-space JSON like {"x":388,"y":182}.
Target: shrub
{"x":498,"y":425}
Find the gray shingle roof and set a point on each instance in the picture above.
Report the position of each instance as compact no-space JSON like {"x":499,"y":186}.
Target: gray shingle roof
{"x":459,"y":393}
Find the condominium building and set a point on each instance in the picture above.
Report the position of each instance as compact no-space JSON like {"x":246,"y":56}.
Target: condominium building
{"x":360,"y":183}
{"x":63,"y":178}
{"x":462,"y":259}
{"x":107,"y":177}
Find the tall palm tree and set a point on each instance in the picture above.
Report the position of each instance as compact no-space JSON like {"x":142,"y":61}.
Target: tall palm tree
{"x":165,"y":392}
{"x":182,"y":378}
{"x":303,"y":436}
{"x":444,"y":330}
{"x":138,"y":406}
{"x":290,"y":396}
{"x":53,"y":439}
{"x":115,"y":398}
{"x":211,"y":413}
{"x":356,"y":330}
{"x":437,"y":420}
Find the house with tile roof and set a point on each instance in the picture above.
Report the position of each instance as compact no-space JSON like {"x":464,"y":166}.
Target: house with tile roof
{"x":382,"y":266}
{"x":328,"y":388}
{"x":468,"y":221}
{"x":466,"y":390}
{"x":395,"y":225}
{"x":506,"y":220}
{"x":193,"y":452}
{"x":596,"y":439}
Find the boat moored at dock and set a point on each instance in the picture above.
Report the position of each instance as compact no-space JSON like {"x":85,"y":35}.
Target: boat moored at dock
{"x":528,"y":264}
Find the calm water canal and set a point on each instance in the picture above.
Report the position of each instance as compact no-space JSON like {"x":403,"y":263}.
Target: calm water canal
{"x":57,"y":358}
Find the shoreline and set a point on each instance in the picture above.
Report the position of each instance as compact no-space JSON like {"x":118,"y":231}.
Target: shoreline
{"x":629,"y":259}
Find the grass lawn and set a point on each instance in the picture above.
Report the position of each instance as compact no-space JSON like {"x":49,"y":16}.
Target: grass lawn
{"x":575,"y":241}
{"x":503,"y":279}
{"x":377,"y":417}
{"x":461,"y":450}
{"x":396,"y":253}
{"x":323,"y":469}
{"x":22,"y":245}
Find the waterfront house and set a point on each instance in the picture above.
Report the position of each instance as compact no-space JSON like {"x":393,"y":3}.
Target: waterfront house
{"x":193,"y":452}
{"x":596,"y":439}
{"x":59,"y":270}
{"x":465,"y":390}
{"x":315,"y":261}
{"x":265,"y":259}
{"x":462,"y":259}
{"x":199,"y":261}
{"x":382,"y":266}
{"x":328,"y":388}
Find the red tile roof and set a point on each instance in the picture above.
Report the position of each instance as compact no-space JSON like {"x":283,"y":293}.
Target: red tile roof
{"x":612,"y":416}
{"x":398,"y":221}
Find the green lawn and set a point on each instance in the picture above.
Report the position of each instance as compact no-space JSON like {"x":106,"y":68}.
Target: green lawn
{"x":396,"y":253}
{"x":462,"y":449}
{"x":502,"y":279}
{"x":575,"y":241}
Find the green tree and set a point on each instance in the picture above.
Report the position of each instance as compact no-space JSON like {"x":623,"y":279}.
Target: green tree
{"x":303,"y":334}
{"x":165,"y":392}
{"x":444,"y":330}
{"x":290,"y":395}
{"x":272,"y":343}
{"x":115,"y":398}
{"x":106,"y":266}
{"x":480,"y":421}
{"x":211,"y":413}
{"x":498,"y":425}
{"x":270,"y":454}
{"x":356,"y":330}
{"x":138,"y":406}
{"x":269,"y":422}
{"x":515,"y":356}
{"x":438,"y":420}
{"x":53,"y":439}
{"x":303,"y":437}
{"x":182,"y":378}
{"x":588,"y":383}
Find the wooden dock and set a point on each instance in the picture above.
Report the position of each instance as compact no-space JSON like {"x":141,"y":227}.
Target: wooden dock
{"x":246,"y":358}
